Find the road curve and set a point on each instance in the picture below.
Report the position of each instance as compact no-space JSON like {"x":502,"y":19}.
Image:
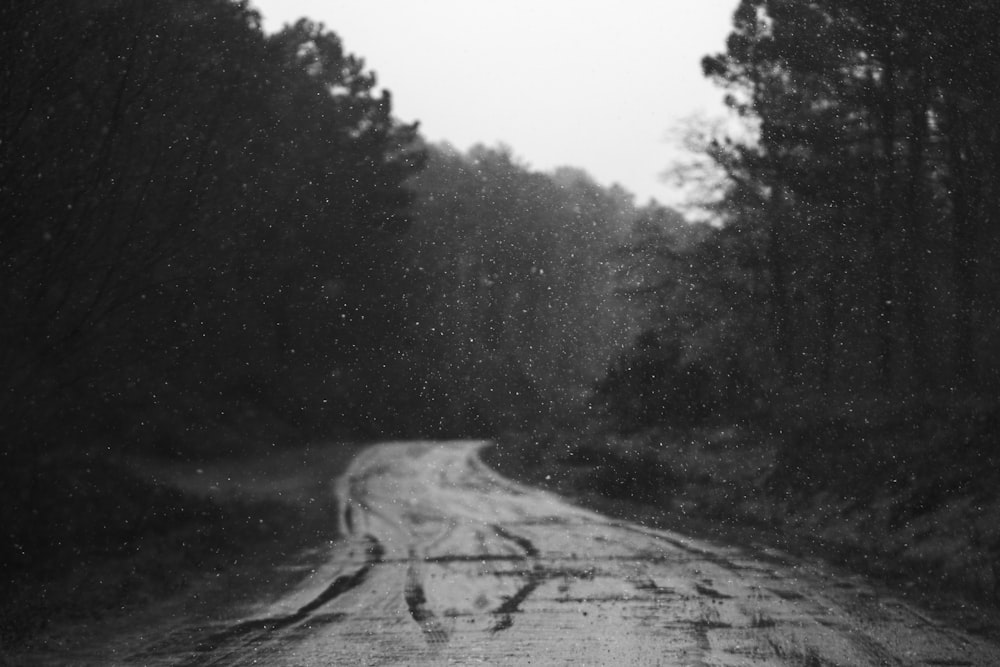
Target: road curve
{"x":446,"y":562}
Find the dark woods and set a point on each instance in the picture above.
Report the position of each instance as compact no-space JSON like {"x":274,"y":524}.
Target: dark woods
{"x":875,"y":165}
{"x":208,"y":230}
{"x":856,"y":270}
{"x":220,"y":243}
{"x":190,"y":209}
{"x":212,"y":237}
{"x":824,"y":362}
{"x":510,"y":302}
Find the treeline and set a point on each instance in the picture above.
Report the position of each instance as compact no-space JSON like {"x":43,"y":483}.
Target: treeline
{"x":211,"y":236}
{"x":509,"y":304}
{"x":857,"y":258}
{"x":194,"y":218}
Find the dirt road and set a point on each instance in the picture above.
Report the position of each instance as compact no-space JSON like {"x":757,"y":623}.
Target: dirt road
{"x":448,"y":563}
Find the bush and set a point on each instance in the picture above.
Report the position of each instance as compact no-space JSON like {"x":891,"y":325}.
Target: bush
{"x":654,"y":384}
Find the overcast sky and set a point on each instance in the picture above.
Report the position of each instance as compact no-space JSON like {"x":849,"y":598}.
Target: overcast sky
{"x":595,"y":84}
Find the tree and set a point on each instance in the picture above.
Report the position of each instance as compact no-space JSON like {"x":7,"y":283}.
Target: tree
{"x":181,"y":198}
{"x":860,"y":181}
{"x":509,"y":307}
{"x":693,"y":362}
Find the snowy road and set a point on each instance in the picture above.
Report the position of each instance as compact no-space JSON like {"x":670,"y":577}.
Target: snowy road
{"x":448,"y":563}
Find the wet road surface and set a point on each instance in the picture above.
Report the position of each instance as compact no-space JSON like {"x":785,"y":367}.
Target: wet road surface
{"x":446,"y":562}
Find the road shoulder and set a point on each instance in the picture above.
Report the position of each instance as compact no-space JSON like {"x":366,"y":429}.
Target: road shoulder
{"x":686,"y":498}
{"x":244,"y":530}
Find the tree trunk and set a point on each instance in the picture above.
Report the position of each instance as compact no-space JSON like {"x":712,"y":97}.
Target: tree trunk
{"x":779,"y":291}
{"x":962,"y":249}
{"x":886,"y":224}
{"x":914,"y":240}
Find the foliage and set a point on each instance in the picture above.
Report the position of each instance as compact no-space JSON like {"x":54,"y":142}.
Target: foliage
{"x":193,"y":219}
{"x":868,"y":187}
{"x":691,"y":365}
{"x":194,"y":222}
{"x":509,"y":314}
{"x":854,"y":254}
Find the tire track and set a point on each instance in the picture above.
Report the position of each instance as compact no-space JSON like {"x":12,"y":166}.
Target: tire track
{"x":263,"y":628}
{"x":535,"y":576}
{"x":530,"y":550}
{"x":512,"y":604}
{"x":416,"y":603}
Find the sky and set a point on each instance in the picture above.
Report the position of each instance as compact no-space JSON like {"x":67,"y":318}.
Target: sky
{"x":595,"y":84}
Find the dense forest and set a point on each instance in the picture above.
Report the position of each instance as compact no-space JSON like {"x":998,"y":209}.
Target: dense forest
{"x":214,"y":238}
{"x":511,"y":311}
{"x":854,"y":265}
{"x":211,"y":233}
{"x":180,"y":195}
{"x":217,"y":242}
{"x":822,"y":361}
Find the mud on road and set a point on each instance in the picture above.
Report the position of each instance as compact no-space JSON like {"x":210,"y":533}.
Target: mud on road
{"x":446,"y":562}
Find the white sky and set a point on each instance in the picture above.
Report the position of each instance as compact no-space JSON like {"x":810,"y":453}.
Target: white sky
{"x":595,"y":84}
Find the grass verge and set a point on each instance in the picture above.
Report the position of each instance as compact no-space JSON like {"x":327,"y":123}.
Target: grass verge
{"x":89,"y":539}
{"x":925,"y":528}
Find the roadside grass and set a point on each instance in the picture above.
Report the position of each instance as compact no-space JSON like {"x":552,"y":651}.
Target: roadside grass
{"x":921,"y":515}
{"x":88,"y":538}
{"x":686,"y":475}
